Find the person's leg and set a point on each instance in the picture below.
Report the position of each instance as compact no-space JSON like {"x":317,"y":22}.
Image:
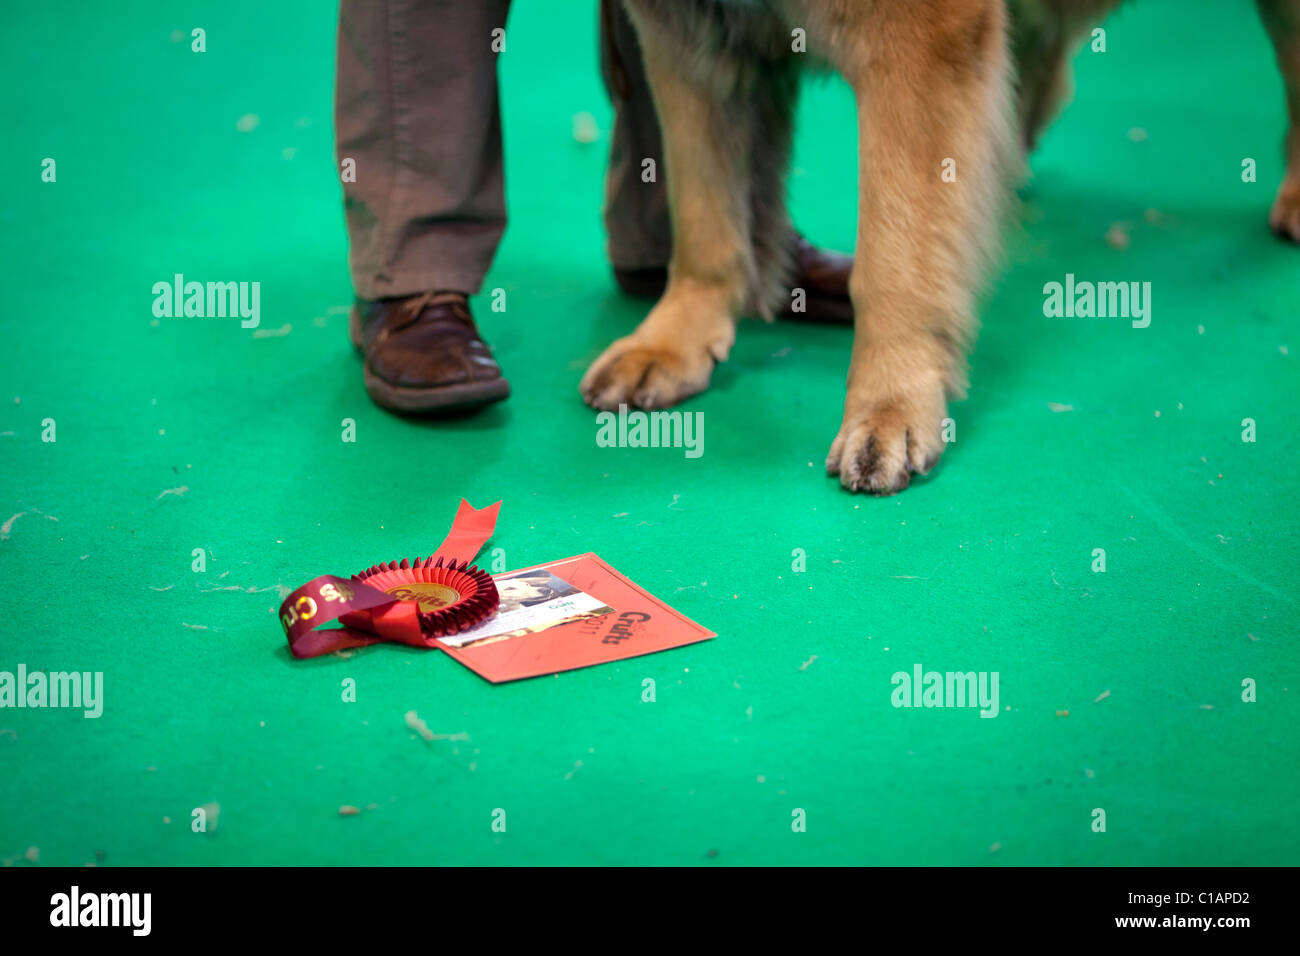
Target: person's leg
{"x":416,"y":114}
{"x":418,"y":135}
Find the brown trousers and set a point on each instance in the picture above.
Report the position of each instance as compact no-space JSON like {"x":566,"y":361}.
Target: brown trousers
{"x":417,"y":111}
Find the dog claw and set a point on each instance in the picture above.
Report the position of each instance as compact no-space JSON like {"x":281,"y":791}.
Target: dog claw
{"x":878,"y":453}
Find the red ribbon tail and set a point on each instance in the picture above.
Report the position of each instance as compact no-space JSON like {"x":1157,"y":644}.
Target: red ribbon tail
{"x":469,"y":532}
{"x":328,"y":640}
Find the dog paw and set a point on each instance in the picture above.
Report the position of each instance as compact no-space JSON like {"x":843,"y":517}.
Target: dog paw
{"x":630,"y":372}
{"x":1284,"y":219}
{"x":879,"y":450}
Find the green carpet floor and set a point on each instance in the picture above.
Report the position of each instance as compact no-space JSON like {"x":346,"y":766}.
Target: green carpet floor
{"x":1079,"y":434}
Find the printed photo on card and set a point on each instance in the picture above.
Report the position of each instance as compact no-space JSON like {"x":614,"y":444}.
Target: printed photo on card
{"x":531,"y":601}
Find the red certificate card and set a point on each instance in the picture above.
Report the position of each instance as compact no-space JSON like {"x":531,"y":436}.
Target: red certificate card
{"x":568,"y":614}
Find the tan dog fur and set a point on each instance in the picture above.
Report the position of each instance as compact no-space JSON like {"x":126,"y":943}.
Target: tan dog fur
{"x":931,"y":81}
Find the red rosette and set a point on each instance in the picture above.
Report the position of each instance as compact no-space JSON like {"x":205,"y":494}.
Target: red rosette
{"x":452,"y":597}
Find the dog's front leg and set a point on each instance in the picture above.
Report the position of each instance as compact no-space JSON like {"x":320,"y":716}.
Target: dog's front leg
{"x":1282,"y":18}
{"x":934,"y":140}
{"x":671,"y":354}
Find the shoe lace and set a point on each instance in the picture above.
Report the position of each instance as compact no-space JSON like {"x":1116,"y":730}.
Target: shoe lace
{"x":416,"y":307}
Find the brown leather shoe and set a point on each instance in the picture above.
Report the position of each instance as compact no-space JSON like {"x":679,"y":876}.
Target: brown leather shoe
{"x":824,"y":277}
{"x":423,"y":354}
